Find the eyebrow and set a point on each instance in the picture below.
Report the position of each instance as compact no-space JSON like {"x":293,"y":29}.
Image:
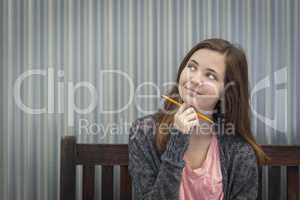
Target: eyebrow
{"x":209,"y":69}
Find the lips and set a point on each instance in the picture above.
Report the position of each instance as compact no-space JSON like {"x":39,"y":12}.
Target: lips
{"x":198,"y":93}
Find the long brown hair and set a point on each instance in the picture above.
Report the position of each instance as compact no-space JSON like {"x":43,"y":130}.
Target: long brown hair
{"x":235,"y":99}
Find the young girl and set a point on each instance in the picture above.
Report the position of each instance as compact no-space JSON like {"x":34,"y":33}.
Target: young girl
{"x":174,"y":154}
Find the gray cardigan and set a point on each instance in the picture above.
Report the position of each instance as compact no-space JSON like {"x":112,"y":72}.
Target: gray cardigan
{"x":158,"y":177}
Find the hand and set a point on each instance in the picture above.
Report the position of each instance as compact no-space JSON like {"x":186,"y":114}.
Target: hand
{"x":185,"y":118}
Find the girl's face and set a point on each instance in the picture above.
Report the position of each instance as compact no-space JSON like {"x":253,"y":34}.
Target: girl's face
{"x":202,"y":80}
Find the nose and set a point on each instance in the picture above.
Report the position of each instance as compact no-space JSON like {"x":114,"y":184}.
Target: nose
{"x":196,"y":81}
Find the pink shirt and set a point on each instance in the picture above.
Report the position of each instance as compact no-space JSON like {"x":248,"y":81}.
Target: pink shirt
{"x":204,"y":183}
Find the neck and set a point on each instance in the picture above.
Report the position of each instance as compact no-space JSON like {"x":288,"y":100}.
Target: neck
{"x":203,"y":131}
{"x":200,"y":141}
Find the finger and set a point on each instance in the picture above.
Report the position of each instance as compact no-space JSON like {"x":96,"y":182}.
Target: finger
{"x":183,"y":107}
{"x":190,"y":118}
{"x":189,"y":125}
{"x":189,"y":111}
{"x":193,"y":123}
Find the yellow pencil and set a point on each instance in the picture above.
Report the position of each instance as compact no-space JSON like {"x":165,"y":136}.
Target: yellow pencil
{"x":201,"y":115}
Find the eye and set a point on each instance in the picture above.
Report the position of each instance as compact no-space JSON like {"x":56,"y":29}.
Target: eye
{"x":211,"y":76}
{"x":191,"y":66}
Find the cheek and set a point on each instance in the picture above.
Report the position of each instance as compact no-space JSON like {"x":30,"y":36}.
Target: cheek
{"x":212,"y":89}
{"x":182,"y":80}
{"x":183,"y":77}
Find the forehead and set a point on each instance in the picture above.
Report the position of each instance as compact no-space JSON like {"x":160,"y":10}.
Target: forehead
{"x":209,"y":58}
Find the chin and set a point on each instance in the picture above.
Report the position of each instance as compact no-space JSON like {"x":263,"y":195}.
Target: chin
{"x":196,"y":104}
{"x":189,"y":100}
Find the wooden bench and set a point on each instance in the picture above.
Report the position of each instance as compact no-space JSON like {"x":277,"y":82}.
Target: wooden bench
{"x":109,"y":155}
{"x":90,"y":155}
{"x":289,"y":157}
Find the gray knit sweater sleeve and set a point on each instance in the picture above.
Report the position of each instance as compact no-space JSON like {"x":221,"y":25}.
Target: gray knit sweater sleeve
{"x":148,"y":182}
